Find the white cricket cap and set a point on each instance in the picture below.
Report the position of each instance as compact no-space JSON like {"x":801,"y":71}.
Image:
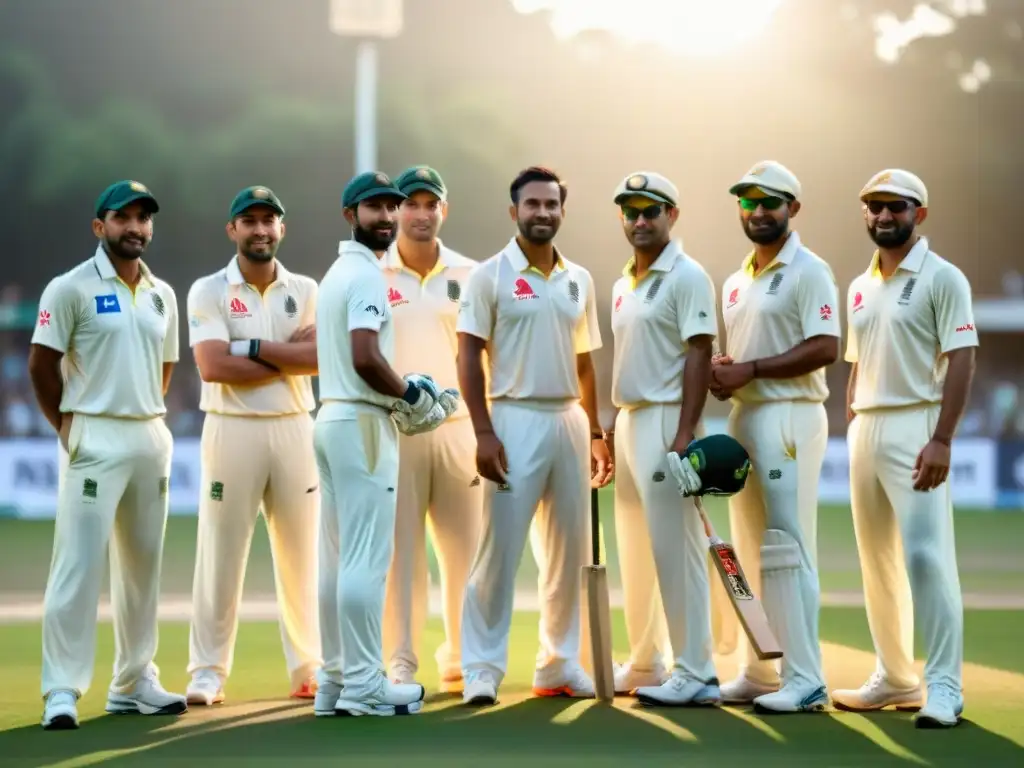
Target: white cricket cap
{"x":896,"y":181}
{"x":647,"y":184}
{"x":770,"y":177}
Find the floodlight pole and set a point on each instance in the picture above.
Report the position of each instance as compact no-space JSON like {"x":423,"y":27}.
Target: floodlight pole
{"x":366,"y":107}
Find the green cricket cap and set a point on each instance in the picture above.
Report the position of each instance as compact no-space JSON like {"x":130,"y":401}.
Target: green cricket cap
{"x":422,"y":178}
{"x":251,"y":196}
{"x":368,"y":185}
{"x":722,"y":463}
{"x":122,"y":193}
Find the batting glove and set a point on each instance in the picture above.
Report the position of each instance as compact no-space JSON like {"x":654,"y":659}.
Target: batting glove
{"x":682,"y":471}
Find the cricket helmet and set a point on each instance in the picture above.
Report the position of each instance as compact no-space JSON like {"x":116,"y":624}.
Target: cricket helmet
{"x":722,"y":463}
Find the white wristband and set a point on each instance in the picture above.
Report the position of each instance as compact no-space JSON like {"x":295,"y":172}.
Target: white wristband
{"x":239,"y":348}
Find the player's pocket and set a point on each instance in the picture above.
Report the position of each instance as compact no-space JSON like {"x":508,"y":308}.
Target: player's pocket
{"x":75,"y":434}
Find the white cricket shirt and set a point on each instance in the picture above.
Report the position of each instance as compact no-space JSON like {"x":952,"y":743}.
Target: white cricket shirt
{"x":223,"y":307}
{"x":114,"y":342}
{"x":794,"y":298}
{"x":901,"y":328}
{"x":652,"y":321}
{"x":535,"y":326}
{"x":353,"y":295}
{"x":425,"y":311}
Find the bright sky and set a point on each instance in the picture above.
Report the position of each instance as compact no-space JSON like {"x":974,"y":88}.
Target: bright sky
{"x":714,"y":27}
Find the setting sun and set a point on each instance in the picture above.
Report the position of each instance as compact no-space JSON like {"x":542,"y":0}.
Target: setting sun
{"x":688,"y":27}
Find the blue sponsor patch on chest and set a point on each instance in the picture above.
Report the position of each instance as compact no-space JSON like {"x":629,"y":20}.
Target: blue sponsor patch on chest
{"x":107,"y":304}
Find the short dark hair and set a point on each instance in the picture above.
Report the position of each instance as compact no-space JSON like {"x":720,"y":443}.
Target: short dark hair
{"x":537,"y":173}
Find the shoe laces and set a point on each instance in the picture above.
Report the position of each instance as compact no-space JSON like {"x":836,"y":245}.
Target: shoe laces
{"x":204,"y":676}
{"x":577,"y":678}
{"x":876,"y":681}
{"x":61,"y":696}
{"x":480,"y":675}
{"x":942,"y":695}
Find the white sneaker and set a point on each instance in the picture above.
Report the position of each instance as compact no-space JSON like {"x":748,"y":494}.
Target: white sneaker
{"x":628,"y":678}
{"x":480,"y":689}
{"x":325,"y":702}
{"x":205,"y":689}
{"x":148,"y":697}
{"x":877,"y":693}
{"x":792,"y":698}
{"x":571,"y":681}
{"x":680,"y":691}
{"x":386,"y":700}
{"x":942,"y":710}
{"x":60,"y":712}
{"x":743,"y":690}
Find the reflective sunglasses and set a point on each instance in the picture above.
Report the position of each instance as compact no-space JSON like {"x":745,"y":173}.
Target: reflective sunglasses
{"x":768,"y":203}
{"x":894,"y":206}
{"x":651,"y":212}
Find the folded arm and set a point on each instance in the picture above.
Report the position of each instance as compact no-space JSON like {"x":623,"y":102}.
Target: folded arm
{"x":218,"y":366}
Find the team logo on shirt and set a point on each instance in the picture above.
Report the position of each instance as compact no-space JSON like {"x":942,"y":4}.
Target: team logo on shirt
{"x":773,"y":286}
{"x":395,"y":297}
{"x":291,"y":307}
{"x":238,"y":309}
{"x":907,"y":290}
{"x":454,"y":291}
{"x":373,"y":310}
{"x":574,"y":291}
{"x":158,"y":304}
{"x":618,"y":303}
{"x":825,"y":312}
{"x":523,"y":290}
{"x":963,"y":328}
{"x":734,"y":296}
{"x":652,"y":292}
{"x":44,"y":318}
{"x":858,"y":302}
{"x":108,"y":304}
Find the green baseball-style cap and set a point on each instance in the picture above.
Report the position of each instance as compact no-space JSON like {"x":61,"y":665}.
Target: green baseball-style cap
{"x":121,"y":193}
{"x":722,"y":463}
{"x":422,"y":178}
{"x":367,"y":185}
{"x":251,"y":196}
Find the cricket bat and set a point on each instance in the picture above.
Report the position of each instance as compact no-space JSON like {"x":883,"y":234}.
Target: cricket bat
{"x":595,"y":580}
{"x":748,"y":608}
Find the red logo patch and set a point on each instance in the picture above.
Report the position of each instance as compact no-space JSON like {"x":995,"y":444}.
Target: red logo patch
{"x":44,"y":317}
{"x":523,"y":290}
{"x":238,"y":309}
{"x":962,"y":328}
{"x":858,"y":302}
{"x":734,"y":297}
{"x":826,"y":312}
{"x":395,"y":297}
{"x":618,"y":303}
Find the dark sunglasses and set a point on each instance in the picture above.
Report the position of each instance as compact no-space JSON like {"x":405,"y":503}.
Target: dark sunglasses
{"x":894,"y":206}
{"x":768,"y":203}
{"x":651,"y":212}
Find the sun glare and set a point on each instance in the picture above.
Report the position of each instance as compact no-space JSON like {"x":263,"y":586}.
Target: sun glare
{"x":687,"y":27}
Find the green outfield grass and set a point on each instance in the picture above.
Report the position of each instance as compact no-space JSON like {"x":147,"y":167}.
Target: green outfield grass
{"x":258,"y":726}
{"x":988,"y":545}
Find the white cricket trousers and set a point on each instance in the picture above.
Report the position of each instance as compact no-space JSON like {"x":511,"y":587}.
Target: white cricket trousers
{"x":357,"y":456}
{"x":662,"y":548}
{"x":548,"y":451}
{"x":902,"y":532}
{"x":437,"y":480}
{"x":786,"y":442}
{"x":251,"y":463}
{"x":113,"y":478}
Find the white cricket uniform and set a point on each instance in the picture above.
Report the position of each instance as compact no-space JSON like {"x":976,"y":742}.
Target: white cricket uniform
{"x":437,"y":470}
{"x":662,"y":545}
{"x":901,"y":328}
{"x":535,"y":328}
{"x":257,"y":452}
{"x":114,"y":475}
{"x":783,"y":425}
{"x":356,"y":444}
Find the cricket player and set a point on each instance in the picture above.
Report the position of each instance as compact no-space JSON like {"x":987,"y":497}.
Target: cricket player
{"x":436,"y":475}
{"x":250,"y":327}
{"x":364,"y":404}
{"x":664,"y":323}
{"x":912,"y":343}
{"x":782,"y":329}
{"x":101,"y":359}
{"x":539,"y":441}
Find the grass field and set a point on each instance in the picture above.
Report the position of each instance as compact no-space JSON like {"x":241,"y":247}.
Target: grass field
{"x":258,"y":726}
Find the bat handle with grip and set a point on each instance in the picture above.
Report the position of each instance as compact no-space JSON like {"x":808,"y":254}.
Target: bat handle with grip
{"x":708,"y":528}
{"x":595,"y":527}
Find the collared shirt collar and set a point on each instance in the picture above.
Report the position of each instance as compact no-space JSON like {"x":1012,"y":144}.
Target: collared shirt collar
{"x":106,"y":270}
{"x":784,"y":257}
{"x":235,"y":277}
{"x":353,"y":247}
{"x":520,"y":263}
{"x":912,"y":262}
{"x":393,"y":259}
{"x":667,"y":259}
